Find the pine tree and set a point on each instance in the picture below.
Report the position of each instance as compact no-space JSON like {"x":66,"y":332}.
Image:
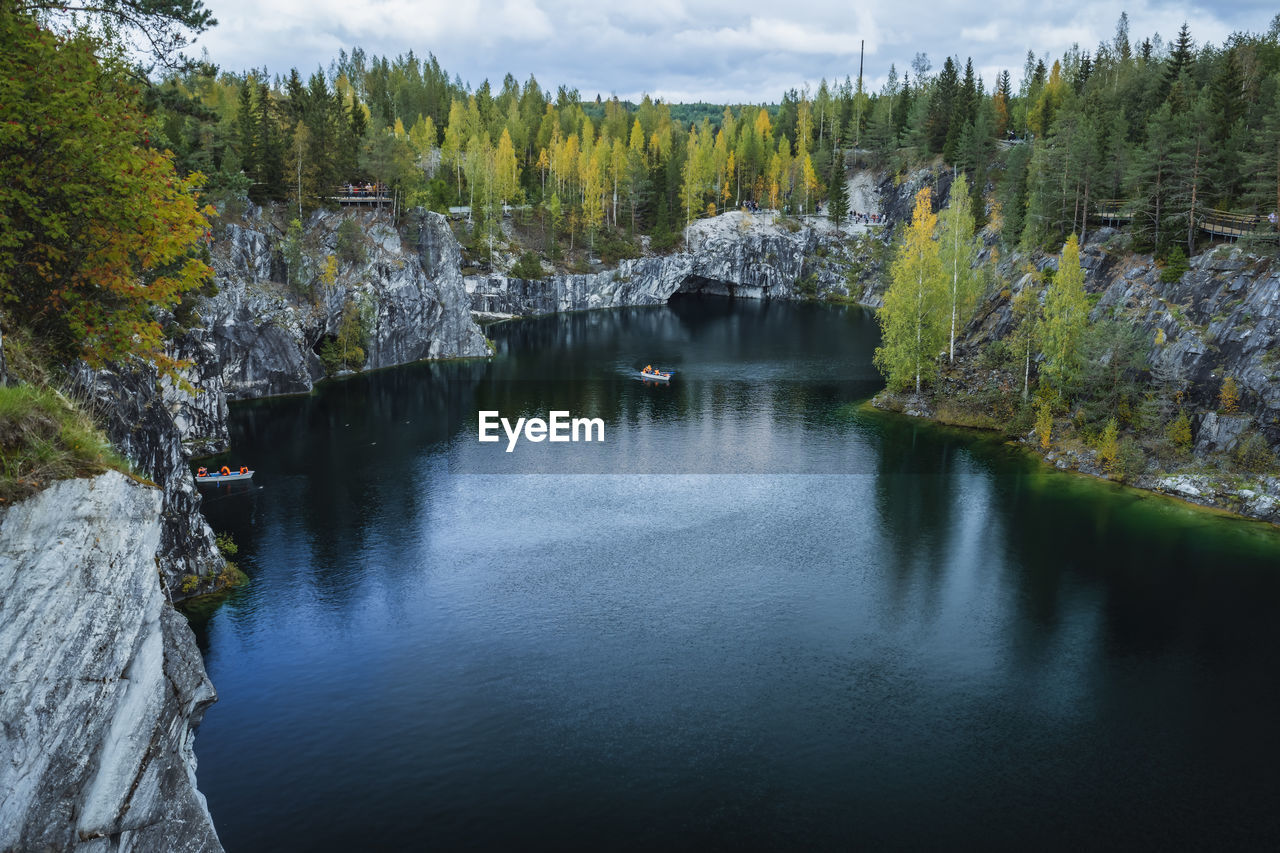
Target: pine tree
{"x":913,"y":317}
{"x":838,"y":194}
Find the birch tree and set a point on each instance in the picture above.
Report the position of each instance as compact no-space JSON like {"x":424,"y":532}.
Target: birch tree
{"x":912,"y":319}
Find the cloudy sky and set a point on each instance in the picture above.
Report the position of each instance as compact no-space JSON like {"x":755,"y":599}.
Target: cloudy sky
{"x":687,"y":50}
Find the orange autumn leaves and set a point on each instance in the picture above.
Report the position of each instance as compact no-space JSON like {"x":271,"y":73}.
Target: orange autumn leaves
{"x":96,"y":228}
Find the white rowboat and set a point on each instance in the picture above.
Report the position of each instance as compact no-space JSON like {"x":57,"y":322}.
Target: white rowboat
{"x":662,"y":376}
{"x":224,"y":478}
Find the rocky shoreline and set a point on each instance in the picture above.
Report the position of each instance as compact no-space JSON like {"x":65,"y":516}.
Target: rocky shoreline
{"x":1257,"y":499}
{"x":130,"y":686}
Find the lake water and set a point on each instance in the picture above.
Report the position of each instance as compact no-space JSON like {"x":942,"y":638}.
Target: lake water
{"x":759,"y":615}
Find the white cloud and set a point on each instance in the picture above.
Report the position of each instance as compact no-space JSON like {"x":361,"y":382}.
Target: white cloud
{"x":717,"y":50}
{"x":981,"y":35}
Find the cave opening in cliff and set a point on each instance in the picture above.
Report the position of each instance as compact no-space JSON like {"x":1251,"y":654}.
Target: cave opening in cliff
{"x":702,"y":286}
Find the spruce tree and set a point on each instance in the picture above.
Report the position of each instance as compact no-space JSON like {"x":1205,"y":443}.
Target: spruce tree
{"x":838,"y":194}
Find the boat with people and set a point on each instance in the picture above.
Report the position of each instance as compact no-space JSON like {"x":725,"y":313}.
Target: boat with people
{"x":223,"y":475}
{"x":651,"y":372}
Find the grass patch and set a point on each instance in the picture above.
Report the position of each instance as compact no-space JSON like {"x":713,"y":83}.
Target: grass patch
{"x":954,"y":414}
{"x":43,"y":438}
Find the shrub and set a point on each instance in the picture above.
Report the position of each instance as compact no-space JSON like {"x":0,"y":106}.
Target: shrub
{"x":614,"y":246}
{"x":1179,"y":432}
{"x":1254,"y":455}
{"x":226,"y":545}
{"x":528,"y":267}
{"x":1109,"y":445}
{"x":1130,"y":460}
{"x":350,"y":245}
{"x":1044,"y":423}
{"x":1175,"y":264}
{"x":807,"y":286}
{"x":1229,"y":396}
{"x":995,"y":354}
{"x":347,"y":349}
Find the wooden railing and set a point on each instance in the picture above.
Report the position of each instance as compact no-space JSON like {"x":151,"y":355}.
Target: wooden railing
{"x":1234,"y":225}
{"x":361,"y":194}
{"x":1219,"y":223}
{"x":1113,"y":210}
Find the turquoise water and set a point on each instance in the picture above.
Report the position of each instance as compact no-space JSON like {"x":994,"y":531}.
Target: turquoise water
{"x":757,"y":616}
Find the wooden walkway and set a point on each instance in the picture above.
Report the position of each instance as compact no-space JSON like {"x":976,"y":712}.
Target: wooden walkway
{"x":357,"y":194}
{"x":1219,"y":223}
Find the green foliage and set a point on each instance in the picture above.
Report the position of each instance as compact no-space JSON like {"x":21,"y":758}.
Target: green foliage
{"x":1109,"y":445}
{"x":1044,"y":421}
{"x":958,"y":249}
{"x":293,"y":248}
{"x":1253,"y":455}
{"x":913,"y":317}
{"x":96,"y":229}
{"x":838,"y":195}
{"x":346,"y":350}
{"x":351,"y":243}
{"x":1178,"y":433}
{"x":614,"y":245}
{"x":1229,"y":396}
{"x":226,"y":545}
{"x":995,"y":355}
{"x":43,"y":437}
{"x":1066,"y":315}
{"x":1130,"y":460}
{"x":529,"y":267}
{"x":807,"y":286}
{"x":1174,"y":266}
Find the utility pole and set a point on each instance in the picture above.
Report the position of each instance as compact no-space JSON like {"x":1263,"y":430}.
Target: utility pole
{"x":857,"y":104}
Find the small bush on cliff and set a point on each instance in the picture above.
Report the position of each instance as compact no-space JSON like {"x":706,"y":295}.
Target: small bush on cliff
{"x":1174,"y":266}
{"x":226,"y":545}
{"x":528,"y":267}
{"x":1109,"y":445}
{"x":43,"y":437}
{"x":1253,"y":455}
{"x":347,"y":349}
{"x":614,"y":246}
{"x":1179,"y":433}
{"x":1130,"y":460}
{"x":1229,"y":396}
{"x":351,"y":242}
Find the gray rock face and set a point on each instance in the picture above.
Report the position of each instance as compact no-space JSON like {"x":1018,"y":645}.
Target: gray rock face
{"x":1221,"y":318}
{"x":735,"y":254}
{"x":103,"y":685}
{"x":139,"y":417}
{"x":265,"y":334}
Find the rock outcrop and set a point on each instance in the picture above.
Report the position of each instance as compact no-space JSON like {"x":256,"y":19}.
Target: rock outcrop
{"x":138,"y":412}
{"x":102,"y":684}
{"x":265,"y":335}
{"x":736,"y":254}
{"x":1220,"y":318}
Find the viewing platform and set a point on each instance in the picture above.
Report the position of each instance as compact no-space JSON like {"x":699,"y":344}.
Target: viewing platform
{"x":1218,"y":223}
{"x":357,"y":194}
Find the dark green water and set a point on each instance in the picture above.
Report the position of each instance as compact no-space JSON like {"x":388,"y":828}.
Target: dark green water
{"x":757,"y":616}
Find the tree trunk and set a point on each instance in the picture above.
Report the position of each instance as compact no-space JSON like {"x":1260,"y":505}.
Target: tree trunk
{"x":1084,"y":220}
{"x":1026,"y":371}
{"x":1191,"y":224}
